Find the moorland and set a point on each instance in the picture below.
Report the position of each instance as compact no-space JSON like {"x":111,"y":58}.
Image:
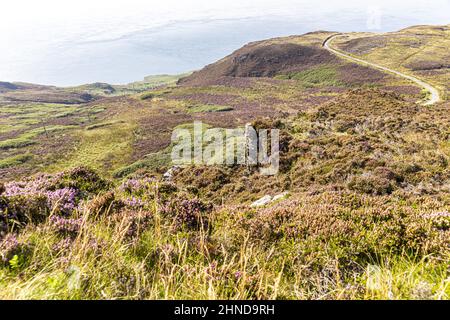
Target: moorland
{"x":87,"y":210}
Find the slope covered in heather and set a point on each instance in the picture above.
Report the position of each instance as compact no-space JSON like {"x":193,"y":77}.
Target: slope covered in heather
{"x":117,"y":129}
{"x":420,"y":50}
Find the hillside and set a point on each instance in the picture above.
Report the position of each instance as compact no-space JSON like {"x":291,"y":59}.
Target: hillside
{"x":286,"y":58}
{"x":361,"y":207}
{"x":421,"y":51}
{"x":114,"y":126}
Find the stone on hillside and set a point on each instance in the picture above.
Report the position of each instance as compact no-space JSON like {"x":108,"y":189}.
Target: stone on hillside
{"x":262,"y":202}
{"x":168,"y":175}
{"x":280,"y":196}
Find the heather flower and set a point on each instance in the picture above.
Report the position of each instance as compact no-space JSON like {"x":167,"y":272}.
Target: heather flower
{"x":81,"y":178}
{"x":133,"y":202}
{"x":166,"y":253}
{"x":8,"y":247}
{"x":3,"y":226}
{"x":211,"y":271}
{"x":422,"y":291}
{"x":166,"y":190}
{"x":189,"y":213}
{"x":135,"y":186}
{"x":136,"y":222}
{"x":95,"y":244}
{"x":63,"y":245}
{"x":62,"y":200}
{"x":66,"y":226}
{"x":37,"y":186}
{"x":130,"y":185}
{"x":442,"y":214}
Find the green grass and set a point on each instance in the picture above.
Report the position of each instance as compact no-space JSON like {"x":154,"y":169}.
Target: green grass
{"x":150,"y":162}
{"x":208,"y":108}
{"x":150,"y":82}
{"x":104,"y":147}
{"x":28,"y":138}
{"x":102,"y":124}
{"x":155,"y":93}
{"x":324,"y":75}
{"x":15,"y":160}
{"x":19,"y":142}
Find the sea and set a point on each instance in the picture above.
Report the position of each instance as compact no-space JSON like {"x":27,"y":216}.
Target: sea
{"x":66,"y":43}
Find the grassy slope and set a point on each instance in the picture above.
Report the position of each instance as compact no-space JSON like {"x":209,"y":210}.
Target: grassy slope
{"x":421,"y":51}
{"x":309,"y":247}
{"x":337,"y":240}
{"x":150,"y":117}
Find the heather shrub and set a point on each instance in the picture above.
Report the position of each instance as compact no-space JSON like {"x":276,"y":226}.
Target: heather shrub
{"x":35,"y":198}
{"x":361,"y":228}
{"x":13,"y":253}
{"x":67,"y":227}
{"x":134,"y":223}
{"x":187,"y":213}
{"x":371,"y":184}
{"x":83,"y":179}
{"x":19,"y":210}
{"x":367,"y":217}
{"x":203,"y":179}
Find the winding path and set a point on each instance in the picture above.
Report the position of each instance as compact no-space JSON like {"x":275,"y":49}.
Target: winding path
{"x":434,"y":93}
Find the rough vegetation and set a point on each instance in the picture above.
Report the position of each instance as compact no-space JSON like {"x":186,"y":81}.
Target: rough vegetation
{"x":73,"y":235}
{"x":420,"y":50}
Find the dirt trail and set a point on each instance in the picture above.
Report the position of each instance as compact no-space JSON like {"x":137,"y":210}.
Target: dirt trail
{"x":434,"y":93}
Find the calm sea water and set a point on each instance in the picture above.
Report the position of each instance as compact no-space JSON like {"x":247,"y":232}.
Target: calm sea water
{"x":117,"y":48}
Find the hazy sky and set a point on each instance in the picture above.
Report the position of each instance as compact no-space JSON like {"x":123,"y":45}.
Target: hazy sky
{"x":24,"y":15}
{"x":55,"y":41}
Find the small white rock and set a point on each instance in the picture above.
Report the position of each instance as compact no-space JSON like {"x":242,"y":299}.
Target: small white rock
{"x":168,"y":175}
{"x":280,"y":196}
{"x":262,"y":202}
